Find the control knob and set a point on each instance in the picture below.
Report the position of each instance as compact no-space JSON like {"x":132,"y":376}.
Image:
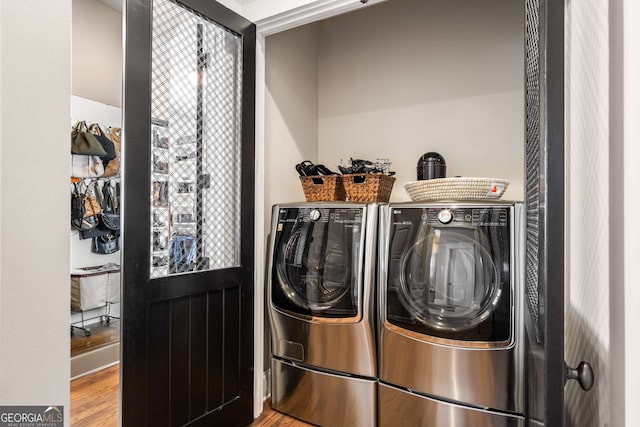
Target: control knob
{"x":314,"y":215}
{"x":445,"y":216}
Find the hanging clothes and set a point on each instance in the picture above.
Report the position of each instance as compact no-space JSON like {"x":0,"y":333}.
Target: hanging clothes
{"x":183,"y":253}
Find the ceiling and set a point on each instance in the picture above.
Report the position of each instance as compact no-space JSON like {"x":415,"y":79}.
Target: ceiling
{"x":117,"y":4}
{"x":113,"y":4}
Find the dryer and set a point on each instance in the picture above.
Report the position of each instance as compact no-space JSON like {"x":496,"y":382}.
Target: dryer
{"x":451,"y":328}
{"x":321,"y":309}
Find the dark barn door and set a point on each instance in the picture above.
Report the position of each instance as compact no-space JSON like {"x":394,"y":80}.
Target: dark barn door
{"x":546,"y":372}
{"x":188,"y":215}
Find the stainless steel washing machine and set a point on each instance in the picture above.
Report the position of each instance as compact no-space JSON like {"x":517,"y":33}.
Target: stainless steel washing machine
{"x":451,"y":328}
{"x":321,"y":308}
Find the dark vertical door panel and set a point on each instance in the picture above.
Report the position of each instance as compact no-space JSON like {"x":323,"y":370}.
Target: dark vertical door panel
{"x":231,"y":345}
{"x":544,"y":193}
{"x":187,"y":311}
{"x":198,"y":348}
{"x":158,"y":366}
{"x":215,"y":375}
{"x":180,"y":363}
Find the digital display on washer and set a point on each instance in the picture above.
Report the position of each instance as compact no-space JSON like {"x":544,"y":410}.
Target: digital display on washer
{"x":449,"y":273}
{"x":317,"y":261}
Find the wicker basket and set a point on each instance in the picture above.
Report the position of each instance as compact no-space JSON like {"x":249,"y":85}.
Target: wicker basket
{"x":457,"y":188}
{"x":368,"y":187}
{"x":323,"y":188}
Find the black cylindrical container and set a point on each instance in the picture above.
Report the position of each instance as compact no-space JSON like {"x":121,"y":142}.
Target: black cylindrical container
{"x":431,"y":165}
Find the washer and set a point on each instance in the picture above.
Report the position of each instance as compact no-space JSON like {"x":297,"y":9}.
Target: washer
{"x":451,"y":328}
{"x":321,"y":309}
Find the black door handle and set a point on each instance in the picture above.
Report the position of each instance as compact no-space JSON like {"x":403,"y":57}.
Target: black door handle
{"x":583,"y":374}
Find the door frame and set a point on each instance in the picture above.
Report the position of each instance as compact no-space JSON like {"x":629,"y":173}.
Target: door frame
{"x":553,"y":248}
{"x":329,"y":8}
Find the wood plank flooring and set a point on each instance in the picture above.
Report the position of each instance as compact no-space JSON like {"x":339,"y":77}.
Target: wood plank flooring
{"x":102,"y":333}
{"x":271,"y":418}
{"x":94,"y":399}
{"x":94,"y":403}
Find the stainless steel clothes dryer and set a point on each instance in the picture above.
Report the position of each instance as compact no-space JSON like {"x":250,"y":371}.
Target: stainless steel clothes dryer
{"x":321,"y":310}
{"x":451,"y":347}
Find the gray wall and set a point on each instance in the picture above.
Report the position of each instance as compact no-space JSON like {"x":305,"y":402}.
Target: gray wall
{"x":394,"y":81}
{"x":405,"y":77}
{"x":97,"y":52}
{"x":291,"y":113}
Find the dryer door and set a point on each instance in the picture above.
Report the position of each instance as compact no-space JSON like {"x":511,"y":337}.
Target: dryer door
{"x":317,"y":262}
{"x":451,"y":281}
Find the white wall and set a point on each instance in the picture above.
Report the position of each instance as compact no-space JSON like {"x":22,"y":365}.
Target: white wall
{"x":602,"y":314}
{"x":35,"y":38}
{"x":587,"y":299}
{"x":255,"y":10}
{"x":97,"y":52}
{"x":631,"y":208}
{"x":291,"y":113}
{"x":232,"y":4}
{"x":406,"y":77}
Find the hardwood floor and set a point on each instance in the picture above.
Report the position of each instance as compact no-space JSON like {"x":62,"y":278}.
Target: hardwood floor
{"x":94,"y":399}
{"x":102,"y":333}
{"x":271,"y":418}
{"x":94,"y":402}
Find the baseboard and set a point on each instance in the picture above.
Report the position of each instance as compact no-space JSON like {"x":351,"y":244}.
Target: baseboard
{"x":266,"y":384}
{"x":95,"y":360}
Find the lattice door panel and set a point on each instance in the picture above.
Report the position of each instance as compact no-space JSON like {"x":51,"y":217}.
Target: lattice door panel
{"x":196,"y":142}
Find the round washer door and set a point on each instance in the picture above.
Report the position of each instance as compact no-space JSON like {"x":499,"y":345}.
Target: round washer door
{"x":448,"y":279}
{"x":316,"y":266}
{"x":312,"y":273}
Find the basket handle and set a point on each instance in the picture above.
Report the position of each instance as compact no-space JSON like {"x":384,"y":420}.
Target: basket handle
{"x":359,"y":179}
{"x":317,"y":180}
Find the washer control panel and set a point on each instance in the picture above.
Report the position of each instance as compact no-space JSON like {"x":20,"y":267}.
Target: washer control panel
{"x":475,"y":216}
{"x":445,"y":216}
{"x":320,"y":215}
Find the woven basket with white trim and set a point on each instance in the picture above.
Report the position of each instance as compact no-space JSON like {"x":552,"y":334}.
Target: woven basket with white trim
{"x":457,"y":188}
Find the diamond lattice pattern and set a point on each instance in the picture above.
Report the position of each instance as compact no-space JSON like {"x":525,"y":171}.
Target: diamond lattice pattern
{"x":196,"y":142}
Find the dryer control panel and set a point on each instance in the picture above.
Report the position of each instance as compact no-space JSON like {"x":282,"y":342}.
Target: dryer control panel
{"x":320,"y":215}
{"x":482,"y":216}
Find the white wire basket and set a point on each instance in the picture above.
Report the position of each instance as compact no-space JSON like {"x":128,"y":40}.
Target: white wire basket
{"x":457,"y":188}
